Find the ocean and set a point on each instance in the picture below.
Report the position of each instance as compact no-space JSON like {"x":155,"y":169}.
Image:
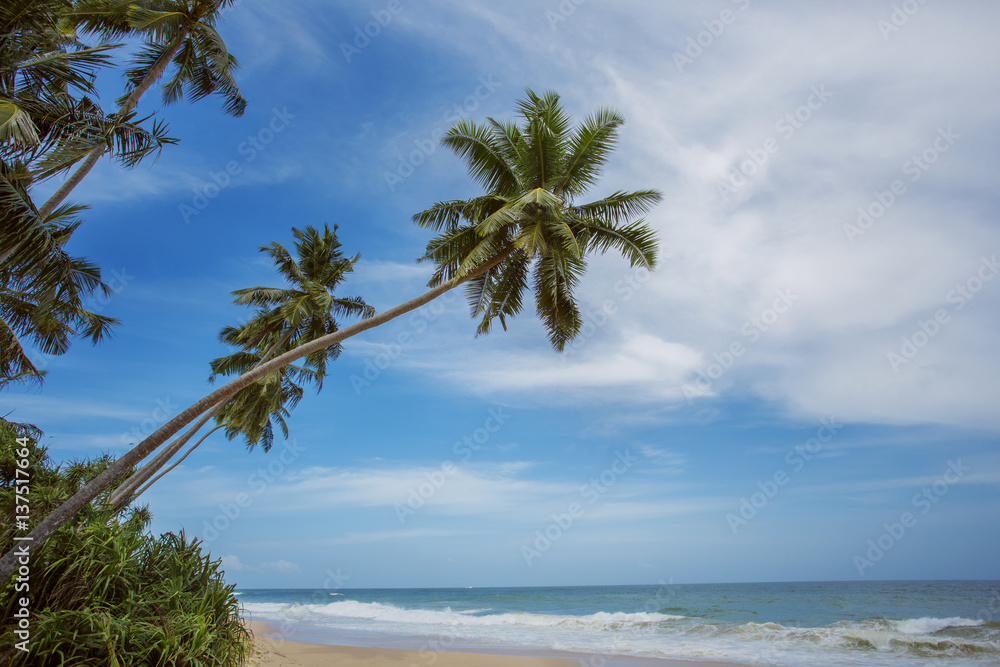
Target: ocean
{"x":892,"y":623}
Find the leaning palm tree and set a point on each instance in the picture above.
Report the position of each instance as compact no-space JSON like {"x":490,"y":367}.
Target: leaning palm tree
{"x":253,"y":413}
{"x":286,"y":317}
{"x":308,"y":308}
{"x":529,"y":217}
{"x":177,"y":32}
{"x":48,"y":122}
{"x":46,"y":83}
{"x":527,"y":223}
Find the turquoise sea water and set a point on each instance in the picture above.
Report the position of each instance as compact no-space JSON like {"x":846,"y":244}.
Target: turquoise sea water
{"x":904,"y":623}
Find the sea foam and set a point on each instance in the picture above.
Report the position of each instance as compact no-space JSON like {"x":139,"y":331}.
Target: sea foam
{"x":928,"y":626}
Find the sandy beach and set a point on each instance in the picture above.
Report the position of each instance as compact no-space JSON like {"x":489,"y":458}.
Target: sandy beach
{"x":271,"y":652}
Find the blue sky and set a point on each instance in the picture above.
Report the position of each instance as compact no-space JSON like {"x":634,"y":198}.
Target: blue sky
{"x":805,"y":388}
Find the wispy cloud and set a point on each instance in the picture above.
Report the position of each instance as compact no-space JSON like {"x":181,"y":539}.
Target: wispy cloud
{"x":232,"y":563}
{"x":841,"y":119}
{"x":394,"y":535}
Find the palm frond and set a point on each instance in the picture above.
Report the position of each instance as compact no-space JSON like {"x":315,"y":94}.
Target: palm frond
{"x":589,"y":147}
{"x":478,"y":147}
{"x":527,"y":220}
{"x":621,"y":207}
{"x":554,"y":280}
{"x":16,"y":125}
{"x":636,"y":241}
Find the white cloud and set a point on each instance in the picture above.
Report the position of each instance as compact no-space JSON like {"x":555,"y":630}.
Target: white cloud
{"x":232,"y":563}
{"x":664,"y":458}
{"x":448,"y":489}
{"x":641,"y":359}
{"x":368,"y":271}
{"x":37,"y":407}
{"x":884,"y":101}
{"x":281,"y":566}
{"x":392,"y":535}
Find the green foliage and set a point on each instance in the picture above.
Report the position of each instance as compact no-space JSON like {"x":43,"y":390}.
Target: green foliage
{"x":103,"y":591}
{"x":41,"y":303}
{"x":202,"y":66}
{"x":526,"y":230}
{"x":50,"y":122}
{"x":285,"y":318}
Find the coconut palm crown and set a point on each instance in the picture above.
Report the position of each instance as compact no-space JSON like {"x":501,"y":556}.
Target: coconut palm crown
{"x":287,"y":317}
{"x":533,"y":174}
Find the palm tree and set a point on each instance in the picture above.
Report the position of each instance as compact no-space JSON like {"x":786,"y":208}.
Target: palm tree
{"x":46,"y":115}
{"x":47,"y":317}
{"x":178,"y":32}
{"x":308,"y":309}
{"x":525,"y":224}
{"x":532,"y":175}
{"x":252,"y":413}
{"x":285,"y":318}
{"x":48,"y":120}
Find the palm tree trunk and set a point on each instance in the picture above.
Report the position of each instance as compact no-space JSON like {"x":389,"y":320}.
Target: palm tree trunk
{"x":130,"y":103}
{"x":120,"y":496}
{"x":175,"y":464}
{"x":62,"y":514}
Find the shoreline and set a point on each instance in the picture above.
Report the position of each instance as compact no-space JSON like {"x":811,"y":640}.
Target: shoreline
{"x":271,"y":650}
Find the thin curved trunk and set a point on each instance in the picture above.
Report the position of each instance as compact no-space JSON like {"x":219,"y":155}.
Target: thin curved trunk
{"x":120,"y":496}
{"x":130,"y":103}
{"x":62,"y":514}
{"x":175,"y":464}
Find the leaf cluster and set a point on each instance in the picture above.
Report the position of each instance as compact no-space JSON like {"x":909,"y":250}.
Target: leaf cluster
{"x":303,"y":309}
{"x":527,"y":230}
{"x":50,"y":121}
{"x":106,"y":592}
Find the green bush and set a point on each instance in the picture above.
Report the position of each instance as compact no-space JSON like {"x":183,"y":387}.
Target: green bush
{"x":103,"y":591}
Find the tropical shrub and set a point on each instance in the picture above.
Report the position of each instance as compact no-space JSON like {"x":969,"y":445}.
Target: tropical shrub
{"x":103,"y":590}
